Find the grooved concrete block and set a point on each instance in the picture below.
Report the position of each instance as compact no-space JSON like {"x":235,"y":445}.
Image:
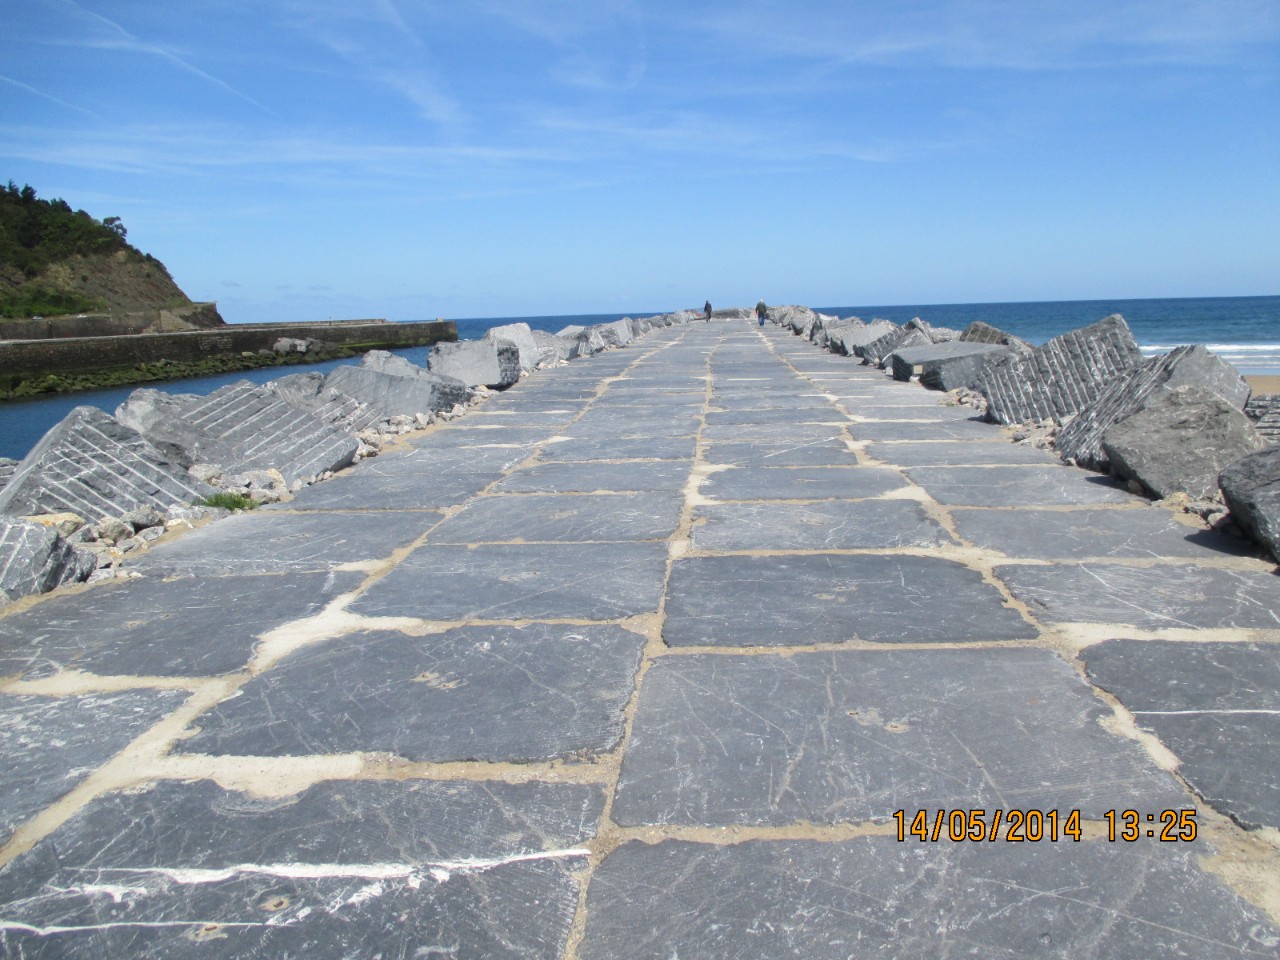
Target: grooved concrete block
{"x":1180,"y":442}
{"x":398,"y":391}
{"x":1251,"y":487}
{"x":799,"y":320}
{"x":307,"y":391}
{"x":35,"y":559}
{"x":1062,"y":377}
{"x":91,"y":465}
{"x":1263,"y":410}
{"x":909,"y":362}
{"x":620,"y":329}
{"x":980,"y":332}
{"x":872,"y":349}
{"x":552,"y":347}
{"x":1081,"y":439}
{"x":573,"y":330}
{"x":522,"y":337}
{"x":239,"y":427}
{"x":913,"y":338}
{"x":7,"y":467}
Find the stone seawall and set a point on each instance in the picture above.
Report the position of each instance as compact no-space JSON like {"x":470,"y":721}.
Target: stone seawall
{"x":120,"y":324}
{"x":32,"y":358}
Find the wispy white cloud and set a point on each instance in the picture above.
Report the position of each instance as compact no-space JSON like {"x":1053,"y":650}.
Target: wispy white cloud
{"x":50,"y":97}
{"x":117,"y":37}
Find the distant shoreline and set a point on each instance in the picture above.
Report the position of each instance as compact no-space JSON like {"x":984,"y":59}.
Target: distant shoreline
{"x":1263,"y":383}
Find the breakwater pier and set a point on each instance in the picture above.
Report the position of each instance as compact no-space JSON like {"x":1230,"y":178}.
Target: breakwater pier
{"x":714,"y":646}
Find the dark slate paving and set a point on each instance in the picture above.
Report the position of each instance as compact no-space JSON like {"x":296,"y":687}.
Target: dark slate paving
{"x":1151,"y":598}
{"x":825,"y":525}
{"x":264,"y":542}
{"x":345,"y":869}
{"x":457,"y":436}
{"x":914,"y":413}
{"x":564,"y":517}
{"x":875,"y":897}
{"x":800,"y":452}
{"x":1088,"y":533}
{"x":537,"y":582}
{"x":518,"y":694}
{"x":594,"y":475}
{"x":620,"y":448}
{"x":801,"y":483}
{"x":856,"y":735}
{"x":191,"y":627}
{"x":777,"y":432}
{"x":400,"y":491}
{"x":1215,"y":705}
{"x":48,"y":745}
{"x":787,"y":414}
{"x":1018,"y":486}
{"x":944,"y":453}
{"x":781,"y":601}
{"x":924,"y":430}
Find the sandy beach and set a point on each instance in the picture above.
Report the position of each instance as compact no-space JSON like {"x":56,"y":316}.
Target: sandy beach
{"x":1263,"y":383}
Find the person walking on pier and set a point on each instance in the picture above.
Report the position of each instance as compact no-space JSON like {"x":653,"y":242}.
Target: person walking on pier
{"x":761,"y":309}
{"x":706,"y":309}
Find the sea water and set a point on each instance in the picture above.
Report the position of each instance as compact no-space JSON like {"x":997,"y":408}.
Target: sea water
{"x":1243,"y":330}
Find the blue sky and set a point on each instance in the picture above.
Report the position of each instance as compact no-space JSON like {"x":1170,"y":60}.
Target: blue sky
{"x":306,"y":159}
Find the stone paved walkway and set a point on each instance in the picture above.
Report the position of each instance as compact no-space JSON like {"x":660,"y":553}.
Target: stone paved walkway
{"x":642,"y":659}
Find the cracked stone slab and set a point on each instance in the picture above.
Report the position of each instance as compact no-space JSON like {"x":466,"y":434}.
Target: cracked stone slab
{"x":855,"y":735}
{"x":392,"y":491}
{"x":801,"y":452}
{"x":417,"y":869}
{"x":801,"y":483}
{"x":589,"y":476}
{"x":461,"y":440}
{"x":48,"y":745}
{"x":196,"y":626}
{"x":560,"y":517}
{"x":1091,"y":532}
{"x":498,"y":694}
{"x":1216,"y":706}
{"x":946,"y":453}
{"x":536,"y":582}
{"x":777,"y":432}
{"x":825,"y":525}
{"x":925,"y":430}
{"x":769,"y":415}
{"x":1029,"y":486}
{"x":1153,"y":598}
{"x":622,"y":426}
{"x":781,"y":601}
{"x":274,"y":542}
{"x":875,"y":897}
{"x":622,"y":448}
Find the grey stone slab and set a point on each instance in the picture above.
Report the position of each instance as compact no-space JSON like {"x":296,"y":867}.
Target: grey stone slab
{"x":823,"y":525}
{"x":782,"y":601}
{"x":392,"y":491}
{"x":307,"y":392}
{"x":48,"y":745}
{"x":90,"y":465}
{"x":946,"y":453}
{"x":801,"y":483}
{"x":855,"y":735}
{"x":770,"y":432}
{"x":933,"y":429}
{"x":1018,"y":486}
{"x":798,"y":452}
{"x":499,"y":694}
{"x":883,"y":410}
{"x":390,"y":869}
{"x":522,"y":336}
{"x":590,"y":476}
{"x":536,"y":582}
{"x":472,"y":434}
{"x":598,"y":424}
{"x":824,"y":413}
{"x":622,"y":448}
{"x":1216,"y":706}
{"x":1092,"y":533}
{"x":875,"y":897}
{"x":35,"y":559}
{"x":489,"y":363}
{"x":517,"y":417}
{"x":1151,"y":598}
{"x":275,"y":542}
{"x":563,"y":517}
{"x":181,"y":628}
